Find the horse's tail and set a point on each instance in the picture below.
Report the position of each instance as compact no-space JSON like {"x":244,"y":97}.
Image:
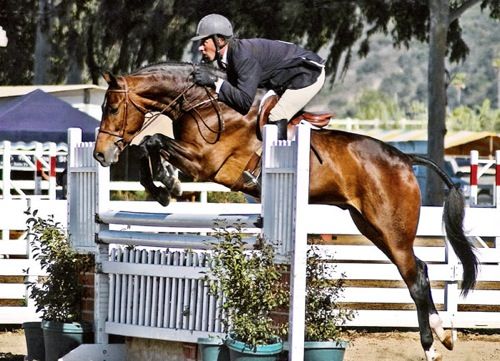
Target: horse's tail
{"x":453,"y":216}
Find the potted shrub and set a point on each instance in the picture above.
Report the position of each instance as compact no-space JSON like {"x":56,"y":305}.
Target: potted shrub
{"x":58,"y":296}
{"x":250,"y":284}
{"x":324,"y":316}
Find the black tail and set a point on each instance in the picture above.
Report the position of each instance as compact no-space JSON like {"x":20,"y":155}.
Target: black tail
{"x":453,"y":217}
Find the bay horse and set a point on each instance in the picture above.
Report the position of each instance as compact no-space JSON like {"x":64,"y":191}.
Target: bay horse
{"x":372,"y":180}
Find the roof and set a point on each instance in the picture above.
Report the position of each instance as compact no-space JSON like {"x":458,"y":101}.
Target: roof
{"x":38,"y":116}
{"x":18,"y":90}
{"x":455,"y":143}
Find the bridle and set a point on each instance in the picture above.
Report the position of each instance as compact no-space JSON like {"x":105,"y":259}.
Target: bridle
{"x":132,"y":98}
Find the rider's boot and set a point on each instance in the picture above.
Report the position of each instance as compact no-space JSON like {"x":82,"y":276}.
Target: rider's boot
{"x":282,"y":135}
{"x":282,"y":129}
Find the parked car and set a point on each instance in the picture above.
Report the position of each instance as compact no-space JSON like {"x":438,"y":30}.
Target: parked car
{"x":458,"y":168}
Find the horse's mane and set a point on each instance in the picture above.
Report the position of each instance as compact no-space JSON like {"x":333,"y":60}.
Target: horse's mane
{"x":174,"y":66}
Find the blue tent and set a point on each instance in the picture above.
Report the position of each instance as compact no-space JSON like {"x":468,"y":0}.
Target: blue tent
{"x":38,"y":116}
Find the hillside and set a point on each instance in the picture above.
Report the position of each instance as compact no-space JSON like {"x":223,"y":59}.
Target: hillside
{"x":402,"y":73}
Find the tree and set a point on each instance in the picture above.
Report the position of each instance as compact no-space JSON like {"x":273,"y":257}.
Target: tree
{"x":458,"y":82}
{"x":17,"y":19}
{"x":444,"y":30}
{"x":373,"y":104}
{"x":496,"y":64}
{"x":88,"y":35}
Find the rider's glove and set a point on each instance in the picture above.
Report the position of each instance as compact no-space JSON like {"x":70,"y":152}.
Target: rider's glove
{"x":205,"y":77}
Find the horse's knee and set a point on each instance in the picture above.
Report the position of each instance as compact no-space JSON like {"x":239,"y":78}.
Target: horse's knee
{"x":152,"y":142}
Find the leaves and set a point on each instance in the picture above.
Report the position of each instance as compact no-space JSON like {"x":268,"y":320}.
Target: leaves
{"x":250,"y":286}
{"x":88,"y":35}
{"x":325,"y":316}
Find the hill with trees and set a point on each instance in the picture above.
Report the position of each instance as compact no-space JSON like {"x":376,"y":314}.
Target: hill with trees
{"x":397,"y":77}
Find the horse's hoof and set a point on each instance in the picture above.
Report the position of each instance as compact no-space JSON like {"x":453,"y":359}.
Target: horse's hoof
{"x":448,"y":341}
{"x":163,"y":197}
{"x":433,"y":355}
{"x":175,"y":187}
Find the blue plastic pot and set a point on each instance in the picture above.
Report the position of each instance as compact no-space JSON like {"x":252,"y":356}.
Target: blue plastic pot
{"x":324,"y":350}
{"x":60,"y":338}
{"x":34,"y":341}
{"x":239,"y":351}
{"x":212,"y":349}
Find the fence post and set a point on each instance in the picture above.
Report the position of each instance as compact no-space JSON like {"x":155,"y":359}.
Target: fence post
{"x":496,"y":189}
{"x":451,"y":293}
{"x":299,"y":245}
{"x":52,"y":170}
{"x":38,"y":168}
{"x":84,"y":207}
{"x":7,"y":149}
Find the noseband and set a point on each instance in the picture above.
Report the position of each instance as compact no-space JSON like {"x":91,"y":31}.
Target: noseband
{"x":131,"y":97}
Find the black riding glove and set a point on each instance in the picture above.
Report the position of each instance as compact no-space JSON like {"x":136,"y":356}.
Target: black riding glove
{"x":204,"y":77}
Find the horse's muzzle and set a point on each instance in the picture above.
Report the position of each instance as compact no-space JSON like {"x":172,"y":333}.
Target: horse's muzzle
{"x":107,"y":157}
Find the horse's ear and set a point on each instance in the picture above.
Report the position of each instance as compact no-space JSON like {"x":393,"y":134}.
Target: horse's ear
{"x":110,"y":78}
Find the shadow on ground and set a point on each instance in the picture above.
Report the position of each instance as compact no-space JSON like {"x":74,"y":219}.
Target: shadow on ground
{"x":10,"y":357}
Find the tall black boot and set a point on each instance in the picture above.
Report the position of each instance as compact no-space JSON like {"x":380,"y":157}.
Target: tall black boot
{"x":282,"y":129}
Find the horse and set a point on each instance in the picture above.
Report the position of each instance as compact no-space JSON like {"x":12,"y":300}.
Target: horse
{"x":374,"y":181}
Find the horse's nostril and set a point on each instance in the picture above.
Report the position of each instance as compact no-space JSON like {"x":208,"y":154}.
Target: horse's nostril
{"x":99,"y":156}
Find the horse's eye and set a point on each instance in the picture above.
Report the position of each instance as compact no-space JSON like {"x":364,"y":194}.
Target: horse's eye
{"x":113,"y":110}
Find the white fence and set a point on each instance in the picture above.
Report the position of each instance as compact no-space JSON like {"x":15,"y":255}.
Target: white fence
{"x":16,"y":264}
{"x":40,"y":161}
{"x":367,"y":124}
{"x":374,"y":280}
{"x":37,"y":166}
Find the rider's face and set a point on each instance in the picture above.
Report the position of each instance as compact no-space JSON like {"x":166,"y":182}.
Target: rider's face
{"x":207,"y":49}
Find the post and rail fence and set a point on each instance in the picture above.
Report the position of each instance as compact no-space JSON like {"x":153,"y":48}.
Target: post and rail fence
{"x":131,"y":286}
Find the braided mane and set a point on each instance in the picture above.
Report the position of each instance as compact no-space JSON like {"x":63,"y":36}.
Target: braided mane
{"x":174,"y":66}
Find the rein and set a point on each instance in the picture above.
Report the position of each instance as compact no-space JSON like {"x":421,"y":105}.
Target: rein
{"x":129,"y":98}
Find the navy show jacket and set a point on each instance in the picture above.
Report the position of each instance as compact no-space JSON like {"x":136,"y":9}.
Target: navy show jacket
{"x":269,"y":64}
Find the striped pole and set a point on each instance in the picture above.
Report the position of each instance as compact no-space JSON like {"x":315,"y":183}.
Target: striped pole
{"x":38,"y":169}
{"x":474,"y":161}
{"x":52,"y":170}
{"x":497,"y":178}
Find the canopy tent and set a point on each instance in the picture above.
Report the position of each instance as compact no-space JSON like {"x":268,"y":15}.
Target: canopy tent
{"x":455,"y":143}
{"x":38,"y":116}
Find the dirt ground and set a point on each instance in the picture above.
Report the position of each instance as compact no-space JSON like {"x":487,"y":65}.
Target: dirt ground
{"x":365,"y":346}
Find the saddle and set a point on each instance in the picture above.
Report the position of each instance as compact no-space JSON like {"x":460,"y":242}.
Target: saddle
{"x":318,"y":120}
{"x":251,"y":172}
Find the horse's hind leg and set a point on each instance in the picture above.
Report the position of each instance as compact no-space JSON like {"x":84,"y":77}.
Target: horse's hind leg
{"x":397,"y":245}
{"x":420,"y":291}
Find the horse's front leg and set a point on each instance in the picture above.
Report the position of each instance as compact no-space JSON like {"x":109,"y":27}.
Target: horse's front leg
{"x":162,"y":195}
{"x":180,"y":155}
{"x":167,"y":174}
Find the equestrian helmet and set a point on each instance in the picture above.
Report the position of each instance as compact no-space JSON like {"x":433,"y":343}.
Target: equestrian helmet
{"x":213,"y":24}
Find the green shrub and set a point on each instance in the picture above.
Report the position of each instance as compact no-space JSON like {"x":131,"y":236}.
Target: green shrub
{"x":59,"y":296}
{"x":252,"y":288}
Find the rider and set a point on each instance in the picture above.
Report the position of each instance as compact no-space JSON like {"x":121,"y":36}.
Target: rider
{"x":295,"y":74}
